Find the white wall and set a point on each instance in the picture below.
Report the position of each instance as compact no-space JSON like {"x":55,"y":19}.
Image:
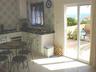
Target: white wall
{"x":76,"y":1}
{"x":93,"y":39}
{"x":59,"y":18}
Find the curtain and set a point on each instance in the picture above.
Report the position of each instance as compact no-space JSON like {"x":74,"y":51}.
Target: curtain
{"x":37,"y":13}
{"x":93,"y":39}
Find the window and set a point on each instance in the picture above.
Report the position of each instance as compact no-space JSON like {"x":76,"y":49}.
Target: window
{"x":37,"y":13}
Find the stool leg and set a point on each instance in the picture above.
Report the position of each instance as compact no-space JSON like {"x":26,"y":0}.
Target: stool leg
{"x":10,"y":57}
{"x":18,"y":65}
{"x":8,"y":66}
{"x":12,"y":67}
{"x":28,"y":66}
{"x":23,"y":65}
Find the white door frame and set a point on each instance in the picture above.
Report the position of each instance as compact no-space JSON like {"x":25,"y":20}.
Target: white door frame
{"x":78,"y":26}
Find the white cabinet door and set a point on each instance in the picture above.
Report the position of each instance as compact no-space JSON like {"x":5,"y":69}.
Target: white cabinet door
{"x":32,"y":38}
{"x":15,"y":34}
{"x":36,"y":42}
{"x":7,"y":37}
{"x":39,"y":42}
{"x":3,"y":38}
{"x":46,"y":41}
{"x":25,"y":36}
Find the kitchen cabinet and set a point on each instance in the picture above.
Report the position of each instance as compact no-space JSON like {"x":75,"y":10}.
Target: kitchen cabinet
{"x":39,"y":41}
{"x":7,"y":37}
{"x":46,"y":40}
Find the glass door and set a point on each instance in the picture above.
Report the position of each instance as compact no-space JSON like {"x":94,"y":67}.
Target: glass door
{"x":72,"y":32}
{"x":85,"y":29}
{"x":78,"y":32}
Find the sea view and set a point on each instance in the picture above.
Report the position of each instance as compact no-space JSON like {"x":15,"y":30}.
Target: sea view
{"x":84,"y":12}
{"x":82,"y":16}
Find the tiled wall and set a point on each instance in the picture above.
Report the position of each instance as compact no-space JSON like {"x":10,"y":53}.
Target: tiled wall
{"x":9,"y":13}
{"x":49,"y":16}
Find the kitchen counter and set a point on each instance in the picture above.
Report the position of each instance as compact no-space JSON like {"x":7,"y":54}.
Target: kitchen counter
{"x":40,"y":38}
{"x":41,"y":32}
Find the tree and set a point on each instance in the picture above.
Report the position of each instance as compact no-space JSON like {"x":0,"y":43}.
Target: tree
{"x":86,"y":20}
{"x":71,"y":21}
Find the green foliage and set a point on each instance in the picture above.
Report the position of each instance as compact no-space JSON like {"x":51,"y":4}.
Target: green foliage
{"x":74,"y":35}
{"x":71,"y":21}
{"x":69,"y":35}
{"x":85,"y":21}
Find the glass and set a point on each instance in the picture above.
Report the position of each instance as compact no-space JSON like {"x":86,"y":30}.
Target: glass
{"x":72,"y":31}
{"x":85,"y":26}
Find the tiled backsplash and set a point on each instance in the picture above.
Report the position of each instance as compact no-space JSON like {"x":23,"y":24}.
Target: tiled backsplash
{"x":9,"y":13}
{"x":49,"y":16}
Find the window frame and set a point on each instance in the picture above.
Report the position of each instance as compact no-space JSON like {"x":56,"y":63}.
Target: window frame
{"x":39,"y":4}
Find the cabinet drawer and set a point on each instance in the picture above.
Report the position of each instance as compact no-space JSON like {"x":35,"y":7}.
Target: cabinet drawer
{"x":14,"y":34}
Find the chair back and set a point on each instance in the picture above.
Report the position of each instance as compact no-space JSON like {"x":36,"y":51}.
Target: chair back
{"x":29,"y":43}
{"x":18,"y":38}
{"x":3,"y":39}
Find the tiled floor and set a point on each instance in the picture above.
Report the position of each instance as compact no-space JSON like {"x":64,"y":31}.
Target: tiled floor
{"x":58,"y":64}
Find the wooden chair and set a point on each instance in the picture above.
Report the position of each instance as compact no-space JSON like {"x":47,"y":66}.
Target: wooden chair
{"x":5,"y":51}
{"x":19,"y":61}
{"x":18,"y":38}
{"x":4,"y":60}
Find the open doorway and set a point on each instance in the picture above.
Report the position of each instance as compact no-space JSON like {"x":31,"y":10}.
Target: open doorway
{"x":78,"y":32}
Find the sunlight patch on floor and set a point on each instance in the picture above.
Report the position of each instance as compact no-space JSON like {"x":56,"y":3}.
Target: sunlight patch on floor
{"x":67,"y":65}
{"x":58,"y":63}
{"x":52,"y":60}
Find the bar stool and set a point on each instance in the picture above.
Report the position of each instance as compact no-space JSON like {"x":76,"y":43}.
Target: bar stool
{"x":19,"y":60}
{"x":18,"y":38}
{"x":4,"y":59}
{"x":4,"y":50}
{"x":7,"y":53}
{"x":27,"y":50}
